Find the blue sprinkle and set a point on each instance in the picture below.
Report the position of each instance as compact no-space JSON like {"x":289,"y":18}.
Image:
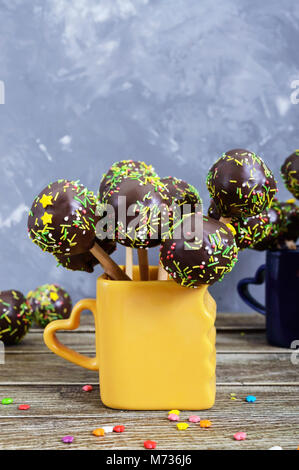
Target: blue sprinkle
{"x":250,"y":399}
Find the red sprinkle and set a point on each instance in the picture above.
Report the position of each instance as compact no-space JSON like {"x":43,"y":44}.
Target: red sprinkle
{"x":24,"y":407}
{"x":150,"y":444}
{"x":87,"y":388}
{"x":119,"y":428}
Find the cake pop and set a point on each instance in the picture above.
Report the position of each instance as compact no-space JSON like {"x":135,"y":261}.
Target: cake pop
{"x":290,"y":232}
{"x":199,"y":260}
{"x":251,"y":230}
{"x":290,"y":173}
{"x":15,"y":316}
{"x":49,"y":302}
{"x":241,"y":184}
{"x":63,"y":217}
{"x":63,"y":221}
{"x":248,"y":230}
{"x":137,"y":205}
{"x":179,"y":192}
{"x":276,"y":222}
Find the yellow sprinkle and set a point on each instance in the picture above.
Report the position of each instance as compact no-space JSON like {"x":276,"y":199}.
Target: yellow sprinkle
{"x":54,"y":296}
{"x":174,"y":412}
{"x":182,"y":426}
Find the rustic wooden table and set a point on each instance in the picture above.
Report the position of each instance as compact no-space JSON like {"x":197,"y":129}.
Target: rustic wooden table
{"x":246,"y":365}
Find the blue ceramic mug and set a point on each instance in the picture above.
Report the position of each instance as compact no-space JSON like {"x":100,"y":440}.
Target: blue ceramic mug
{"x":281,"y":275}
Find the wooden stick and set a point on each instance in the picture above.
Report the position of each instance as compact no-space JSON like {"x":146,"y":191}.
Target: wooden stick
{"x":129,"y":262}
{"x":162,"y":274}
{"x":291,"y":244}
{"x":107,"y":263}
{"x":143,"y":264}
{"x":225,"y":220}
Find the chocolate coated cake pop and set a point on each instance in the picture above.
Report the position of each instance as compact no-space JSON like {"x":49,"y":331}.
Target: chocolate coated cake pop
{"x":241,"y":184}
{"x":199,"y":260}
{"x":251,"y":230}
{"x":63,"y":217}
{"x":49,"y":302}
{"x":144,"y":199}
{"x":291,"y":224}
{"x":179,"y":192}
{"x":15,"y":316}
{"x":290,"y":173}
{"x":277,"y":221}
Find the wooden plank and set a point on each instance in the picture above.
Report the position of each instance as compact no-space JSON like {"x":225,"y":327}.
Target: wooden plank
{"x":272,"y":420}
{"x":70,"y":401}
{"x":231,"y":368}
{"x":227,"y":341}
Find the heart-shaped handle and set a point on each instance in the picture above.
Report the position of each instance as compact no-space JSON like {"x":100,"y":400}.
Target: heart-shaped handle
{"x":244,"y":293}
{"x":71,"y":323}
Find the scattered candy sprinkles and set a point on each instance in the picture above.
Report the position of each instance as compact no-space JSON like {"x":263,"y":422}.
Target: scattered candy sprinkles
{"x":24,"y":407}
{"x":250,"y":398}
{"x":194,"y":419}
{"x":87,"y":388}
{"x":7,"y":401}
{"x":275,"y":448}
{"x":173,"y":417}
{"x":240,"y":436}
{"x":205,"y":423}
{"x":182,"y":426}
{"x":107,"y":429}
{"x":174,"y":412}
{"x":118,"y":428}
{"x":98,"y":432}
{"x":150,"y":444}
{"x":67,"y":439}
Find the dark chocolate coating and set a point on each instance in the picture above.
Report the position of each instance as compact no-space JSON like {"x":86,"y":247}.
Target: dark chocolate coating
{"x":15,"y":316}
{"x":291,"y":224}
{"x":179,"y":192}
{"x":213,"y":211}
{"x":146,"y":199}
{"x":63,"y":218}
{"x":248,"y":230}
{"x":277,"y":223}
{"x":208,"y":259}
{"x":290,"y":173}
{"x":49,"y":302}
{"x":240,"y":184}
{"x":124,"y":169}
{"x":85,"y":261}
{"x":251,"y":230}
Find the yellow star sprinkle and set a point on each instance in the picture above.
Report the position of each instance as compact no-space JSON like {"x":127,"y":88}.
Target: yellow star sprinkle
{"x":47,"y":218}
{"x":174,"y":412}
{"x":46,"y":201}
{"x":182,"y":426}
{"x":54,"y":296}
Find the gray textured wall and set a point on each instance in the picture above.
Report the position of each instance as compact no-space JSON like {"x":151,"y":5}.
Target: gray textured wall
{"x":172,"y":82}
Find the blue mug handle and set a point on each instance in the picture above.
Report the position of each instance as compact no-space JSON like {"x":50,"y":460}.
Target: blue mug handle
{"x":244,"y":293}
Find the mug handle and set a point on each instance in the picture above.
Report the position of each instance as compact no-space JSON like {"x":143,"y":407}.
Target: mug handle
{"x":244,"y":290}
{"x":71,"y":323}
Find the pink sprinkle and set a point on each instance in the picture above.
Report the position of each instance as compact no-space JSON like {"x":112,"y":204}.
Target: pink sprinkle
{"x":240,"y":436}
{"x":67,"y":439}
{"x":87,"y":388}
{"x":194,"y":419}
{"x":173,"y":417}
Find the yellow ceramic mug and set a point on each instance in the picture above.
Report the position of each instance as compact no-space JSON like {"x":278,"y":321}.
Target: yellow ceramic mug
{"x":155,"y":343}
